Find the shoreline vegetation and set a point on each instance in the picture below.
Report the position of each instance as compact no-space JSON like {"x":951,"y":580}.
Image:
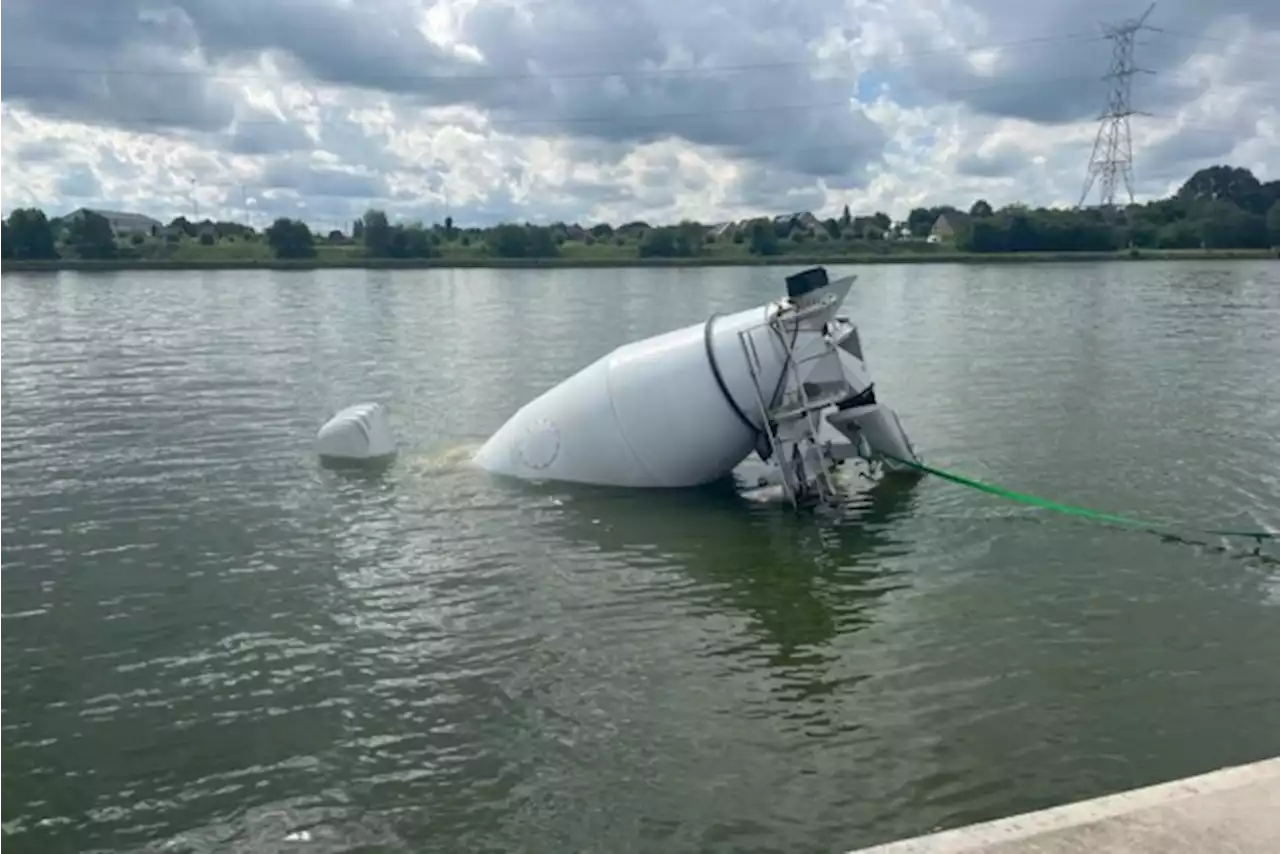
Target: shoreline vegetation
{"x":1221,"y":212}
{"x":330,"y":262}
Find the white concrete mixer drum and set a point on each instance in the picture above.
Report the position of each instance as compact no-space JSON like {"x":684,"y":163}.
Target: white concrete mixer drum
{"x":686,"y":407}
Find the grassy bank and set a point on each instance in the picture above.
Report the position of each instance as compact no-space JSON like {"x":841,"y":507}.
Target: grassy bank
{"x":342,"y":260}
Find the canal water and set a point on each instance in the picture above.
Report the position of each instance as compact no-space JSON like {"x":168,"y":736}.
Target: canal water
{"x":212,"y":644}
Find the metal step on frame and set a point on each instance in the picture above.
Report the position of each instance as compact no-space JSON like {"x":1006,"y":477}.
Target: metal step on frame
{"x":790,"y":414}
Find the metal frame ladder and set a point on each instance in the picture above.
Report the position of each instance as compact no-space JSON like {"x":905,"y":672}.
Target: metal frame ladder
{"x":791,"y":423}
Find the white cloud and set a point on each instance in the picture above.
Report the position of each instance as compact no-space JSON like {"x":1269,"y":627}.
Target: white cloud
{"x":586,"y":111}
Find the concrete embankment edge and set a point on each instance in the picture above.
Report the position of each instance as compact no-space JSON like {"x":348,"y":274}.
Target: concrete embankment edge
{"x":1234,"y":809}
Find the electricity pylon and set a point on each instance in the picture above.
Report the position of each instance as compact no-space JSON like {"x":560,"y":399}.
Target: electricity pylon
{"x":1112,"y":156}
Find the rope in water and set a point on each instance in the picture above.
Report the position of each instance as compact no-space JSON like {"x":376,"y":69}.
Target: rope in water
{"x":1072,"y":510}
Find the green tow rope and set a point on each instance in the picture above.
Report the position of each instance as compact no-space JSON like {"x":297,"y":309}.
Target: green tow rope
{"x":1070,"y":510}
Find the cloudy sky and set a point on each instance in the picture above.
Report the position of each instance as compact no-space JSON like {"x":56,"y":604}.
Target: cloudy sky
{"x":588,"y":110}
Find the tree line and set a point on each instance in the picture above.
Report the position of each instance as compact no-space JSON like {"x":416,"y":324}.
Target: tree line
{"x":1220,"y":207}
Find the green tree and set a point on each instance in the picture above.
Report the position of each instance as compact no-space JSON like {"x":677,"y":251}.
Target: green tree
{"x":846,"y":218}
{"x":522,"y":241}
{"x":682,"y":241}
{"x":411,"y":241}
{"x":1226,"y":183}
{"x":869,"y":227}
{"x":984,"y":235}
{"x":764,"y":238}
{"x":980,"y":209}
{"x":509,"y":241}
{"x":90,"y":235}
{"x":660,"y":243}
{"x":1143,"y":234}
{"x":223,"y":230}
{"x":1273,"y":223}
{"x":541,"y":243}
{"x":920,"y":220}
{"x":377,"y":234}
{"x":1225,"y":225}
{"x":31,"y":235}
{"x":1178,"y":235}
{"x":290,"y":238}
{"x":1021,"y":230}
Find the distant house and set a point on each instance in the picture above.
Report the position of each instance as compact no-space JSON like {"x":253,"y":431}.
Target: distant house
{"x":723,"y":230}
{"x":632,"y":229}
{"x":809,"y":222}
{"x":124,"y":223}
{"x":800,"y":221}
{"x":947,"y":225}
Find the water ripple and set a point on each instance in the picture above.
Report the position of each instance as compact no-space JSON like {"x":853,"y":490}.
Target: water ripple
{"x":212,"y":644}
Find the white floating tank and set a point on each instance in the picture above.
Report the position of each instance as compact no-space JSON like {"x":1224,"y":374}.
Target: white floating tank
{"x":359,"y":433}
{"x":686,"y":407}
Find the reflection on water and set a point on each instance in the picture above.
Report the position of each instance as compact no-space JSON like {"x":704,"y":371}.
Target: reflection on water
{"x":802,"y":579}
{"x":212,"y":642}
